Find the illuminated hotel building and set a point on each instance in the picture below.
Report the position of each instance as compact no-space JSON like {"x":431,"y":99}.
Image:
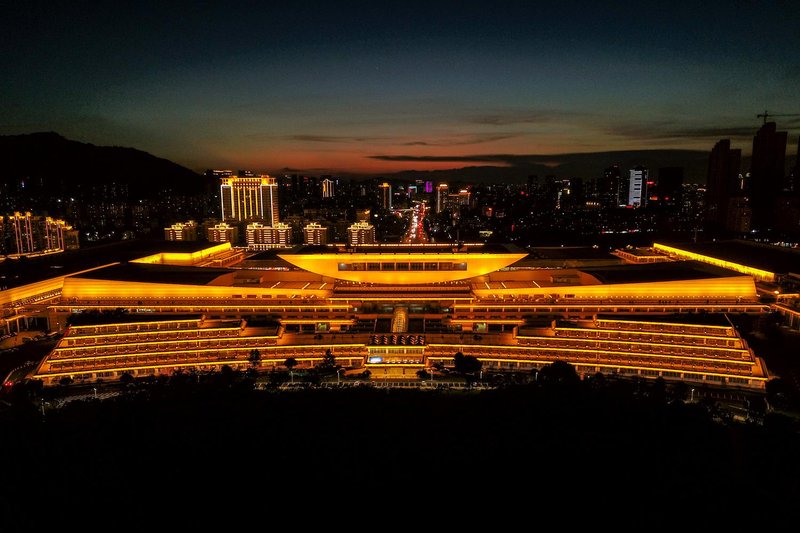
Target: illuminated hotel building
{"x":361,"y":233}
{"x":249,"y":198}
{"x":314,"y":233}
{"x":454,"y":201}
{"x":27,"y":234}
{"x":222,"y":232}
{"x":260,"y":237}
{"x":327,"y":188}
{"x":181,"y":231}
{"x":637,"y":187}
{"x":386,"y":195}
{"x":441,"y":196}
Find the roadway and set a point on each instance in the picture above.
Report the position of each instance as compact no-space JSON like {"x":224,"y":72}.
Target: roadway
{"x":416,"y":234}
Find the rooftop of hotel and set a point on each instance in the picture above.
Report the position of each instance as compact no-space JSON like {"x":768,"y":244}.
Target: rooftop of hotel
{"x":14,"y":273}
{"x":569,"y":253}
{"x":444,"y":248}
{"x":147,"y":273}
{"x":693,"y":319}
{"x":653,"y":272}
{"x":762,"y":256}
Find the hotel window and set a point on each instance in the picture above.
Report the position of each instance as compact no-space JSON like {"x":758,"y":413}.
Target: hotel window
{"x":387,"y":266}
{"x":432,"y":266}
{"x":402,"y":266}
{"x":373,"y":266}
{"x":459,"y":266}
{"x":416,"y":266}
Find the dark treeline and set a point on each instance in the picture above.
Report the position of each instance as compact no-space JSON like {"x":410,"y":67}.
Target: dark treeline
{"x":607,"y":448}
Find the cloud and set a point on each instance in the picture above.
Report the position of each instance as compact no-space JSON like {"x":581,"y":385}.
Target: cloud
{"x":330,"y":138}
{"x":465,"y":140}
{"x":491,"y":158}
{"x":544,"y":116}
{"x":671,"y":131}
{"x":462,"y":139}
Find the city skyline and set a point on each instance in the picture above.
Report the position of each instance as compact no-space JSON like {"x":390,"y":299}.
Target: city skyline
{"x":327,"y":90}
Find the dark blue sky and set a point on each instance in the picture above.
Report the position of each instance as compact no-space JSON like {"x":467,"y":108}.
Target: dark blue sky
{"x":315,"y":85}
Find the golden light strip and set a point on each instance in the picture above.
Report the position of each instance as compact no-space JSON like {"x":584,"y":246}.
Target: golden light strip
{"x":149,"y":332}
{"x":677,"y":345}
{"x":644,"y":355}
{"x":170,"y":365}
{"x":757,"y":273}
{"x":612,"y":320}
{"x":635,"y":332}
{"x":169,"y":341}
{"x":608,"y":365}
{"x":268,"y":348}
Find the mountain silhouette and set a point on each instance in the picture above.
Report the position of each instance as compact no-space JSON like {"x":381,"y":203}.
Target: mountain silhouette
{"x":55,"y":162}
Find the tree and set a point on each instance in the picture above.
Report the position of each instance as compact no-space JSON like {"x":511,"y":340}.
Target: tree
{"x":559,"y":373}
{"x":290,"y":363}
{"x":680,"y":391}
{"x":658,"y":391}
{"x":126,"y":378}
{"x":254,"y":358}
{"x":466,"y":365}
{"x":328,"y":361}
{"x":66,"y":380}
{"x":779,"y":393}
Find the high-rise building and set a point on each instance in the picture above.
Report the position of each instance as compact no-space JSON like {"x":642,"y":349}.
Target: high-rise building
{"x":260,"y":237}
{"x":249,"y":198}
{"x":533,"y":183}
{"x":610,"y":188}
{"x":793,"y":180}
{"x":722,"y":184}
{"x":361,"y":233}
{"x":314,"y":233}
{"x":386,"y":195}
{"x":441,"y":194}
{"x":456,"y":200}
{"x":327,"y":188}
{"x":181,"y":231}
{"x":767,"y":174}
{"x":669,"y":188}
{"x":223,"y":232}
{"x":428,"y":187}
{"x":637,"y":187}
{"x":23,"y":234}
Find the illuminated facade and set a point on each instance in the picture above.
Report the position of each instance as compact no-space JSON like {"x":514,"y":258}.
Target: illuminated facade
{"x":757,"y":273}
{"x":222,"y":232}
{"x":441,"y":197}
{"x":637,"y":187}
{"x":260,"y":237}
{"x":373,"y":310}
{"x":386,"y":195}
{"x":249,"y":198}
{"x":181,"y":231}
{"x":327,"y":188}
{"x":456,"y":200}
{"x":27,"y":234}
{"x":314,"y":233}
{"x":361,"y":233}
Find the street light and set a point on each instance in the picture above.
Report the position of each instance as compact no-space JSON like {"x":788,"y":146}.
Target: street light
{"x":691,"y":399}
{"x":338,"y":376}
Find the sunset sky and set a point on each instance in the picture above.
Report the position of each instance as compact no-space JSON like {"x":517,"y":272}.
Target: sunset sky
{"x":380,"y":86}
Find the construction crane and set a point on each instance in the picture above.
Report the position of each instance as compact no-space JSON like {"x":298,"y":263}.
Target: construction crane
{"x":766,"y":115}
